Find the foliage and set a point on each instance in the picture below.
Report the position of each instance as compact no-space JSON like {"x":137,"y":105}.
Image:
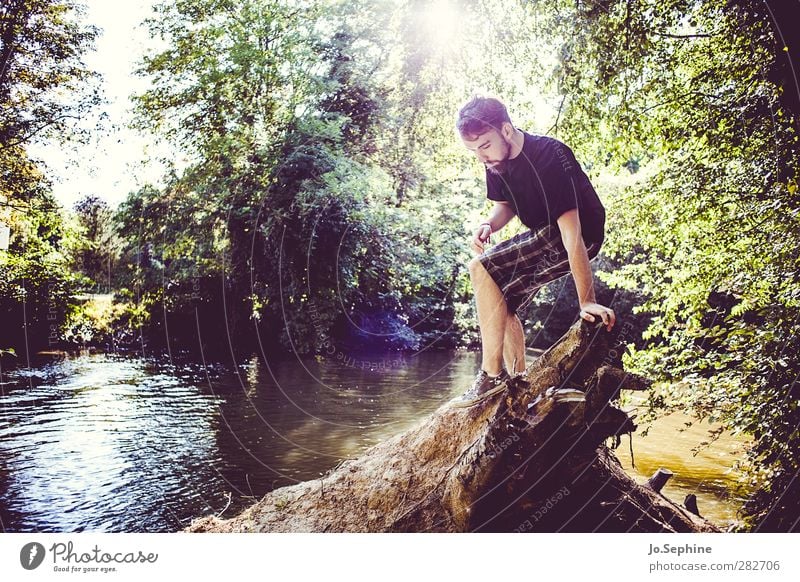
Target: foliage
{"x":687,"y":90}
{"x":97,"y":321}
{"x":36,"y":285}
{"x":285,"y":113}
{"x":44,"y":89}
{"x":97,"y":245}
{"x":44,"y":85}
{"x":366,"y":148}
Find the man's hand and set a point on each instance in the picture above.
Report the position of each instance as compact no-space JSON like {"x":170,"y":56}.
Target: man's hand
{"x":482,"y":236}
{"x":590,"y":312}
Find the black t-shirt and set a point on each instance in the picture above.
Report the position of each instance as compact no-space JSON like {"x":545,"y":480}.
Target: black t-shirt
{"x":544,"y":181}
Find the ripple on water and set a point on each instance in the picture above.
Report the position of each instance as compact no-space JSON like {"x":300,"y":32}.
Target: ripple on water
{"x":107,"y":443}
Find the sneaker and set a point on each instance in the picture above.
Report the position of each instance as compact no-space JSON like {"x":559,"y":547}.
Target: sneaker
{"x":483,"y":387}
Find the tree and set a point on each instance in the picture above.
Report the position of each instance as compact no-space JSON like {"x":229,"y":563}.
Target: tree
{"x":242,"y":90}
{"x":40,"y":64}
{"x":44,"y":89}
{"x":708,"y":232}
{"x":97,"y":251}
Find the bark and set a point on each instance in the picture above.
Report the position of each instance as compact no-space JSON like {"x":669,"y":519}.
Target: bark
{"x":531,"y":458}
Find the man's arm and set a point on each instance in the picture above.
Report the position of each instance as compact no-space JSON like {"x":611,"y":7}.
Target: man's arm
{"x":501,"y":214}
{"x":570,"y":226}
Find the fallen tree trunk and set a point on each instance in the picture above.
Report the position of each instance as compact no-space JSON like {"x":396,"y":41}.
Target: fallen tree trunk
{"x":531,"y":458}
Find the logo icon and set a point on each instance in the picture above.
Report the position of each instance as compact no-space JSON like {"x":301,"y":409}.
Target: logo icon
{"x":31,"y":555}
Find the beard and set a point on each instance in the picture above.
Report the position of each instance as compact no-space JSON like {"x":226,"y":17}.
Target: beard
{"x":500,"y":166}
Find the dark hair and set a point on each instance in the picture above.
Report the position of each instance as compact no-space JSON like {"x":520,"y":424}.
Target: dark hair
{"x":481,"y":114}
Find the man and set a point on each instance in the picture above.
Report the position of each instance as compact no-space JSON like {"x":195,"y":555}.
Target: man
{"x":538,"y":179}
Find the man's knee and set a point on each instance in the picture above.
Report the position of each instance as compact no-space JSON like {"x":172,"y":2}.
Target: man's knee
{"x":476,"y":269}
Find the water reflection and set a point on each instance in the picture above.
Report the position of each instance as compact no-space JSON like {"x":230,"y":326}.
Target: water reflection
{"x":104,"y":443}
{"x":306,"y":416}
{"x":708,"y":471}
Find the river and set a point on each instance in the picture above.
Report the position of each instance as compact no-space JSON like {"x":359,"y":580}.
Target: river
{"x":110,"y":443}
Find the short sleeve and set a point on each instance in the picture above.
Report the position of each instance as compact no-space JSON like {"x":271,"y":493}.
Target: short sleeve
{"x":561,"y":199}
{"x":494,"y":187}
{"x":564,"y":180}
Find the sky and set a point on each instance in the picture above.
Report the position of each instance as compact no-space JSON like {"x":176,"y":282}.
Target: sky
{"x":110,"y":166}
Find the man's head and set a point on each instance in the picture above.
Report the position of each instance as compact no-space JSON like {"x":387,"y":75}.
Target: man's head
{"x":486,"y":129}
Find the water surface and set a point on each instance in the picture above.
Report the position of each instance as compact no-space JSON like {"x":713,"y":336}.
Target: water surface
{"x":122,"y":443}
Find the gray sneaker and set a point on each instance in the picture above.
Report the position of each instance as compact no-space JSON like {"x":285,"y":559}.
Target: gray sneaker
{"x":483,"y":387}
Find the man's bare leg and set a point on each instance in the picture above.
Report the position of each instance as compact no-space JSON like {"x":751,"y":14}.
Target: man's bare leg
{"x":514,"y":344}
{"x":492,"y":317}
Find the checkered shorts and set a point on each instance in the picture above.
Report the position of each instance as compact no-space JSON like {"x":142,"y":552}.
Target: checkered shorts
{"x":528,"y":261}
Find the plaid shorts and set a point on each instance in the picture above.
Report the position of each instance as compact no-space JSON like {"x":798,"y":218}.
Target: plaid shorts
{"x":528,"y":261}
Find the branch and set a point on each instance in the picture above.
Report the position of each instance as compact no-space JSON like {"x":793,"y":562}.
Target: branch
{"x":41,"y":128}
{"x":680,"y":97}
{"x":698,"y":35}
{"x":558,"y":115}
